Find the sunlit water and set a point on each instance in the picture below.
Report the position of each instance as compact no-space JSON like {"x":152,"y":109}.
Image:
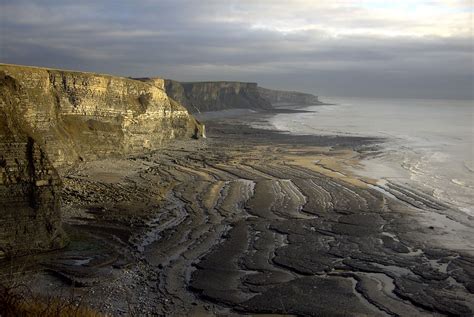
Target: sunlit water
{"x":429,"y":142}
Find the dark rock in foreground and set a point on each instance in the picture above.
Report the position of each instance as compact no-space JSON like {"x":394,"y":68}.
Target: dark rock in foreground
{"x":233,"y":225}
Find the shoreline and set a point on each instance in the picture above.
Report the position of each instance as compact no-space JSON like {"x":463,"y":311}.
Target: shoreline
{"x":253,"y":221}
{"x":431,"y":165}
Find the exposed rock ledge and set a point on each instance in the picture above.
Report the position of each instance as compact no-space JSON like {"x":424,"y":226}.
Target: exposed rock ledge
{"x":53,"y":118}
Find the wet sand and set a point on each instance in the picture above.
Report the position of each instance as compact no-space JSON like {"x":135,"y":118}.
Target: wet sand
{"x":251,"y":221}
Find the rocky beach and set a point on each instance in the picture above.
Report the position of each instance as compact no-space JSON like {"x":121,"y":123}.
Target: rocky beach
{"x":252,"y":221}
{"x":236,"y":158}
{"x":115,"y":197}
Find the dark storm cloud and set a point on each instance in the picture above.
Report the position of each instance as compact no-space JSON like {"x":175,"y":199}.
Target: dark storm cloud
{"x":308,"y":48}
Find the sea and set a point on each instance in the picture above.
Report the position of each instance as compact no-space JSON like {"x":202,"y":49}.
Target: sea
{"x":427,"y":144}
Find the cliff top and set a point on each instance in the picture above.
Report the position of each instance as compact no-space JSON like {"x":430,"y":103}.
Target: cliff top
{"x":73,"y":71}
{"x":214,"y":82}
{"x":287,"y":91}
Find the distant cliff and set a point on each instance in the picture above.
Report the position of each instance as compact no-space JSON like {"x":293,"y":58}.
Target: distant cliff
{"x":54,"y":118}
{"x":212,"y":96}
{"x":290,"y":97}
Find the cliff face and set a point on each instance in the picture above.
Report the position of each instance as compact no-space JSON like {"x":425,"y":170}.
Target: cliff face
{"x":291,"y":97}
{"x":212,"y":96}
{"x":53,"y":118}
{"x":30,"y":218}
{"x":30,"y":188}
{"x":81,"y":116}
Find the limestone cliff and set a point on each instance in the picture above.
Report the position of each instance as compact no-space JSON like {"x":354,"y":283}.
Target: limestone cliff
{"x":212,"y":96}
{"x":30,"y":218}
{"x":80,"y":116}
{"x":53,"y":118}
{"x":289,"y":97}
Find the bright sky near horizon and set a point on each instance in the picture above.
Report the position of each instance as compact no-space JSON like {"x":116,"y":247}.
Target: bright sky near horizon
{"x":417,"y":48}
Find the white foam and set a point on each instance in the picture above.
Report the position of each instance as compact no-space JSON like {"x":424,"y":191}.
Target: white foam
{"x":458,"y":182}
{"x":429,"y":141}
{"x":469,"y":165}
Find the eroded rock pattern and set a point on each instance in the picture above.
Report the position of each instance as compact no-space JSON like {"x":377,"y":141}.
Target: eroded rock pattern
{"x":221,"y":227}
{"x":52,"y":118}
{"x":242,"y":223}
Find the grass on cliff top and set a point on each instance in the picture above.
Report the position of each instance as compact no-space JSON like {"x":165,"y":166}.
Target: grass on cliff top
{"x":18,"y":301}
{"x":78,"y":72}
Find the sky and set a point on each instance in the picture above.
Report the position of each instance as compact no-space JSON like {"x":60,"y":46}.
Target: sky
{"x":365,"y":48}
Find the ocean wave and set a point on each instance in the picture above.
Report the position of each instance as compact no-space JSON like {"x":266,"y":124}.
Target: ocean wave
{"x":439,"y":194}
{"x":439,"y":157}
{"x":463,"y":183}
{"x":458,"y":182}
{"x":469,"y":165}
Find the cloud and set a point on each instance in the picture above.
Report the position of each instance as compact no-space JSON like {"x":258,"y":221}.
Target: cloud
{"x":309,"y":45}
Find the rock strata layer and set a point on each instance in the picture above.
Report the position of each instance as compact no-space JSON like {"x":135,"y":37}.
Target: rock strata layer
{"x":53,"y":118}
{"x":290,"y":97}
{"x":214,"y":96}
{"x":79,"y":116}
{"x":254,"y":222}
{"x":30,"y":215}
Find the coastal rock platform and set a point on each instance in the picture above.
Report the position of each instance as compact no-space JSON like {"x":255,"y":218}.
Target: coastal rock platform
{"x":252,"y":221}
